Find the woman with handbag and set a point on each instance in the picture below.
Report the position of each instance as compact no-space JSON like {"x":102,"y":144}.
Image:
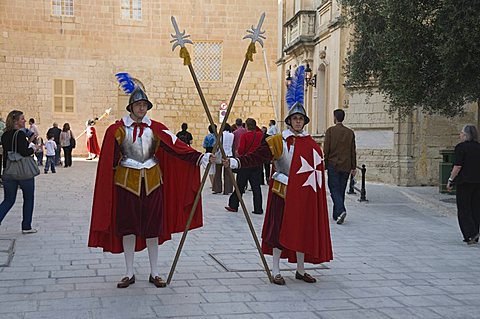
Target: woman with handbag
{"x":16,"y":148}
{"x":67,"y":143}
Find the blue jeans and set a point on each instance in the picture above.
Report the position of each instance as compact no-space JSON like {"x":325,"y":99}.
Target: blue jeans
{"x":337,"y":183}
{"x":10,"y":188}
{"x":50,"y":163}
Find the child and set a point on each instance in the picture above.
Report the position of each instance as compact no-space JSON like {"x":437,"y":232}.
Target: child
{"x":50,"y":148}
{"x":39,"y":152}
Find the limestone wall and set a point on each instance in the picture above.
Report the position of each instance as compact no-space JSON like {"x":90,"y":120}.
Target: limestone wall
{"x":403,"y":152}
{"x":89,"y":48}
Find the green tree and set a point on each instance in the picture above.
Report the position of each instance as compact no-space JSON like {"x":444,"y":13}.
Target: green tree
{"x":421,"y":54}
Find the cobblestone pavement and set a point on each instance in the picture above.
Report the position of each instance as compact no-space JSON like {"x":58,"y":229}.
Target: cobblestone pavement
{"x":398,"y":256}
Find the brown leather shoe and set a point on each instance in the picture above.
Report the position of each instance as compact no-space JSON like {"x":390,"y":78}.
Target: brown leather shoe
{"x":125,"y":282}
{"x":278,"y":280}
{"x":157,"y":281}
{"x":305,"y":277}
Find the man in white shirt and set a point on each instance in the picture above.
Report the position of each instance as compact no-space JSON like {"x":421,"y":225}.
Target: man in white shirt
{"x":272,"y":128}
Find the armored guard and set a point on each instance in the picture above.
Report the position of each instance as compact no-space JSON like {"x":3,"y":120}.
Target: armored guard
{"x":143,"y":192}
{"x":296,"y":221}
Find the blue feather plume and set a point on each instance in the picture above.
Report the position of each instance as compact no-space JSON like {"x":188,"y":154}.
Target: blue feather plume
{"x":126,"y":82}
{"x":295,"y":91}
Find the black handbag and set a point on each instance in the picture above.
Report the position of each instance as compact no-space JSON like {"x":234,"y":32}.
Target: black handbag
{"x":19,"y":167}
{"x":73,"y":142}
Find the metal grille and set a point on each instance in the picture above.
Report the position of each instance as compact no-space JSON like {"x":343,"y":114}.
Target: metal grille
{"x":131,"y":9}
{"x":208,"y":61}
{"x":62,"y":8}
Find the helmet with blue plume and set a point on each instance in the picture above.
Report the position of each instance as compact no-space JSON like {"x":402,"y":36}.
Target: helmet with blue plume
{"x":295,"y":96}
{"x":129,"y":86}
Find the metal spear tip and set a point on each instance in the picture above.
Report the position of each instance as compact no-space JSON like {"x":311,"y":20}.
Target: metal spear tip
{"x":107,"y":111}
{"x":179,"y":38}
{"x":255,"y":34}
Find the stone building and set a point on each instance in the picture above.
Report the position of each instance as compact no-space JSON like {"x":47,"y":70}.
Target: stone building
{"x":58,"y":60}
{"x":402,"y":152}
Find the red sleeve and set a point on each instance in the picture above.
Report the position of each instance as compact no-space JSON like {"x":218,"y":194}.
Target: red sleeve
{"x":259,"y":156}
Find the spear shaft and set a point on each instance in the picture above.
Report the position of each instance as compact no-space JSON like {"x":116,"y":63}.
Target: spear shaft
{"x":237,"y":189}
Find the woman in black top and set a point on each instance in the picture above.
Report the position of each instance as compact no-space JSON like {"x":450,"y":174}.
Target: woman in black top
{"x":16,"y":121}
{"x":466,"y":174}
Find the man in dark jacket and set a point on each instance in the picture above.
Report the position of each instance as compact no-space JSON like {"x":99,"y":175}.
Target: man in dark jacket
{"x":184,"y":135}
{"x":55,"y":131}
{"x":341,"y":161}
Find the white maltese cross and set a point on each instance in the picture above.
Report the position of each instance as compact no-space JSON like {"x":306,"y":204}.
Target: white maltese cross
{"x":315,"y":177}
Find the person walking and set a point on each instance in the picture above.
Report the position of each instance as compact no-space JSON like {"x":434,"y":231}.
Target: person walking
{"x":248,"y":143}
{"x":237,"y":133}
{"x":2,"y":129}
{"x":50,"y":149}
{"x":33,"y":128}
{"x":272,"y":128}
{"x":341,"y":162}
{"x":296,"y":221}
{"x":15,"y":123}
{"x":208,"y":144}
{"x":466,"y":176}
{"x":92,"y":142}
{"x":39,"y":150}
{"x":65,"y":141}
{"x":184,"y":135}
{"x":227,"y":142}
{"x":55,"y":131}
{"x":147,"y":194}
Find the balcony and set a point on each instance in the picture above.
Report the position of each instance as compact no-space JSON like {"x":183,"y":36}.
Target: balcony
{"x":300,"y":30}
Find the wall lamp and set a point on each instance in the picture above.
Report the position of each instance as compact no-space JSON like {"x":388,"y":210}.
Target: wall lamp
{"x":309,"y":78}
{"x":288,"y":79}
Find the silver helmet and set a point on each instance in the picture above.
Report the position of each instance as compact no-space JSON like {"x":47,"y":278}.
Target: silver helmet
{"x":297,"y":108}
{"x":138,"y":95}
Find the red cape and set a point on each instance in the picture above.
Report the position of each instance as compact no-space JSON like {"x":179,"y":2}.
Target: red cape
{"x":181,"y":181}
{"x":92,"y":143}
{"x":305,"y":227}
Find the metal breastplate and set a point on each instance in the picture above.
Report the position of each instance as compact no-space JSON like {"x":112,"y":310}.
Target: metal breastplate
{"x":282,"y":164}
{"x":140,"y":154}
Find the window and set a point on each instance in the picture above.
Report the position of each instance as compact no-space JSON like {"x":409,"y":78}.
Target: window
{"x":63,"y":96}
{"x":208,"y":61}
{"x":62,"y":8}
{"x":132,"y":9}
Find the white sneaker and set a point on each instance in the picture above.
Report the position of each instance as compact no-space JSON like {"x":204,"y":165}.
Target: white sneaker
{"x":29,"y":231}
{"x":341,"y":218}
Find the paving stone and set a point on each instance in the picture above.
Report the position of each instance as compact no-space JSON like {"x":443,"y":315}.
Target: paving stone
{"x":376,"y":302}
{"x":353,"y":314}
{"x":418,"y":271}
{"x":409,"y":313}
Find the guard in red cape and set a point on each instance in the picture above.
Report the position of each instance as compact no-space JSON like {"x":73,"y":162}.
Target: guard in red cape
{"x":296,"y":220}
{"x":145,"y":187}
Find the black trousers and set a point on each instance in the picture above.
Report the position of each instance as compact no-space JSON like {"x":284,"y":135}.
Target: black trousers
{"x":67,"y":152}
{"x":254,"y":176}
{"x":468,"y":207}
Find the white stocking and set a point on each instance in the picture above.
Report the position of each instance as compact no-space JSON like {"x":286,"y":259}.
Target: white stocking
{"x":276,"y":261}
{"x":152,"y":246}
{"x":300,"y":263}
{"x":128,"y":251}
